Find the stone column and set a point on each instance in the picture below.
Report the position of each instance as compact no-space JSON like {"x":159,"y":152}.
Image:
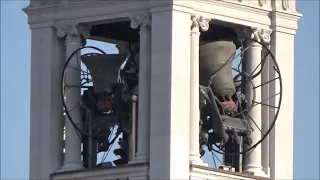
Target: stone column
{"x":265,"y":124}
{"x":197,"y":23}
{"x":143,"y":129}
{"x":73,"y":41}
{"x":253,"y":162}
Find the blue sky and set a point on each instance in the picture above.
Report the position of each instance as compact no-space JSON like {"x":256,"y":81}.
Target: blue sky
{"x":15,"y":90}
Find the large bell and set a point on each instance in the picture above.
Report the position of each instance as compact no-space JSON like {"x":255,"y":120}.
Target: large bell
{"x":104,"y":70}
{"x":213,"y":56}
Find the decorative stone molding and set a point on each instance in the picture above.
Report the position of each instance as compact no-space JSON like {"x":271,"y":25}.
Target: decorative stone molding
{"x":262,"y":3}
{"x":261,"y":35}
{"x":69,"y":30}
{"x":199,"y":23}
{"x":140,"y":20}
{"x":74,"y":32}
{"x":288,"y":6}
{"x":285,"y":4}
{"x":39,"y":3}
{"x":235,"y":13}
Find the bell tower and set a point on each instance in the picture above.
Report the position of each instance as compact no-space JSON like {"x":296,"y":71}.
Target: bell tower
{"x":192,"y":79}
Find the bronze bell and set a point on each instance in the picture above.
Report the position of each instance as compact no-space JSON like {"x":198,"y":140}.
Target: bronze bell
{"x":104,"y":70}
{"x":213,"y":56}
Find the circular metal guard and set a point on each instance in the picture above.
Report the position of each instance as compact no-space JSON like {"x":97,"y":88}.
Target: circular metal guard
{"x":89,"y":104}
{"x":229,"y":133}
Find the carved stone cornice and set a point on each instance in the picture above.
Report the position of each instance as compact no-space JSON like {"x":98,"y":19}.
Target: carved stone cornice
{"x":199,"y":23}
{"x":260,"y":35}
{"x":142,"y":20}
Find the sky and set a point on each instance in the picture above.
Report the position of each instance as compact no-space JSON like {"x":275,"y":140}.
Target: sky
{"x":15,"y":91}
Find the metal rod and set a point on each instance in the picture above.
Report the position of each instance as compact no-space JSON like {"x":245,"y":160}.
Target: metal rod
{"x":134,"y":126}
{"x":241,"y":155}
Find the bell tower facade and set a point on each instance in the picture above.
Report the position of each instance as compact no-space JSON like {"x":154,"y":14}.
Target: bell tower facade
{"x":169,"y":91}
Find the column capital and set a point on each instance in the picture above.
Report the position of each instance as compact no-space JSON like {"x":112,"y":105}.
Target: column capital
{"x":199,"y":23}
{"x":261,"y":35}
{"x":74,"y":32}
{"x":140,"y":20}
